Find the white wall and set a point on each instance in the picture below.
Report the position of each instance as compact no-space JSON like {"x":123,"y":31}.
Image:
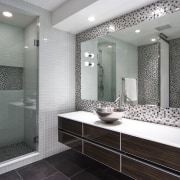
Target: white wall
{"x":89,"y":84}
{"x":56,"y":82}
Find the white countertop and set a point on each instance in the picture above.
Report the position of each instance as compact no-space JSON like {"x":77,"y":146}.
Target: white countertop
{"x":155,"y":132}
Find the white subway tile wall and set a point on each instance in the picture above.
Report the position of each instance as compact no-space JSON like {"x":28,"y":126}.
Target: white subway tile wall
{"x":56,"y":81}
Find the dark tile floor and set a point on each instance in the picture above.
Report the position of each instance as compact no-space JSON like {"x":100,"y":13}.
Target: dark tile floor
{"x":68,"y":165}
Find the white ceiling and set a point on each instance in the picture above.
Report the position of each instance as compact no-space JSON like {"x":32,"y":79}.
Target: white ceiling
{"x":49,"y":5}
{"x":103,"y":10}
{"x":19,"y":19}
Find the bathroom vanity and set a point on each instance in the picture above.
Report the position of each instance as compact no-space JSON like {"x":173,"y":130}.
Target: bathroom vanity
{"x":138,"y":149}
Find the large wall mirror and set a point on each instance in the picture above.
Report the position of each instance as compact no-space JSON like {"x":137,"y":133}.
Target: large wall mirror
{"x":140,"y":63}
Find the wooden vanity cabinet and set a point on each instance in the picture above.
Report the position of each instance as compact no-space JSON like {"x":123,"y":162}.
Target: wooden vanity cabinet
{"x":70,"y":140}
{"x":102,"y":155}
{"x":102,"y":136}
{"x":70,"y":126}
{"x":156,"y":152}
{"x":136,"y":157}
{"x":143,"y":171}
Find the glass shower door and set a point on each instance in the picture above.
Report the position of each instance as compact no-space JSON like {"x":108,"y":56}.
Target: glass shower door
{"x":18,"y":86}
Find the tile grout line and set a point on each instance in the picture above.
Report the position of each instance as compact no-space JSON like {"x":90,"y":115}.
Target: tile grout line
{"x":79,"y":172}
{"x":18,"y":174}
{"x":50,"y":175}
{"x":55,"y":168}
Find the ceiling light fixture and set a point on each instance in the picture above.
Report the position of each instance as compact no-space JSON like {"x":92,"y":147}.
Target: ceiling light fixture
{"x":26,"y":47}
{"x":137,"y":31}
{"x":91,"y":18}
{"x":7,"y":14}
{"x":109,"y":46}
{"x":153,"y":39}
{"x":45,"y":39}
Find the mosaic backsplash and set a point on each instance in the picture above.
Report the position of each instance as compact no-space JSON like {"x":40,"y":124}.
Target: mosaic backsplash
{"x":148,"y":76}
{"x":154,"y":114}
{"x":174,"y":52}
{"x":11,"y":78}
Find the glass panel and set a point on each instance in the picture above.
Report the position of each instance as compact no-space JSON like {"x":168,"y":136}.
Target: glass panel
{"x":18,"y":84}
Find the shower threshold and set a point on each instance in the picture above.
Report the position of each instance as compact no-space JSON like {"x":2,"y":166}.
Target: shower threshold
{"x":14,"y":150}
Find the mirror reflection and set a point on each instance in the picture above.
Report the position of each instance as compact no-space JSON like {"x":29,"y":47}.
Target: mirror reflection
{"x":139,"y":63}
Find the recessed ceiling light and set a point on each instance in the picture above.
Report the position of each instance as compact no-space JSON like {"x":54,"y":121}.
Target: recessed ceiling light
{"x":153,"y":39}
{"x":91,"y":18}
{"x":45,"y":39}
{"x":109,"y":46}
{"x":7,"y":14}
{"x":137,"y":31}
{"x":26,"y":47}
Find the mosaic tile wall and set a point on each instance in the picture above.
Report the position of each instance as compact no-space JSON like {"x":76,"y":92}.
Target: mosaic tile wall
{"x":148,"y":76}
{"x":174,"y":72}
{"x":146,"y":113}
{"x":11,"y":78}
{"x":56,"y":67}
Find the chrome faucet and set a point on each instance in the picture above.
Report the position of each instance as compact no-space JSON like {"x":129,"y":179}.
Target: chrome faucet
{"x":119,"y":100}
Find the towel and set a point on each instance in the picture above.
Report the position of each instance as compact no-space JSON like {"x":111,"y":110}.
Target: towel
{"x":131,"y":89}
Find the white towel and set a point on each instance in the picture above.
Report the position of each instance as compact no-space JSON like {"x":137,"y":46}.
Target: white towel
{"x":130,"y":89}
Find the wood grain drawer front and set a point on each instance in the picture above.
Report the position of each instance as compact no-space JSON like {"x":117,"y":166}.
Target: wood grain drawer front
{"x":140,"y":171}
{"x":70,"y":141}
{"x":70,"y":126}
{"x":103,"y":136}
{"x":102,"y":155}
{"x":162,"y":154}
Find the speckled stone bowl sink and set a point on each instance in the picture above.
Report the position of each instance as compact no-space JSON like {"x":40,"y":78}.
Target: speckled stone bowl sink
{"x":110,"y":117}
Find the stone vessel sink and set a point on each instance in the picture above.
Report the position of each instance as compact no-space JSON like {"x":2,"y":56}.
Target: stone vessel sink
{"x":110,"y":117}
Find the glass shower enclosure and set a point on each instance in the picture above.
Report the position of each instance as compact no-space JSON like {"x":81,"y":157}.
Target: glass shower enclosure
{"x":18,"y":83}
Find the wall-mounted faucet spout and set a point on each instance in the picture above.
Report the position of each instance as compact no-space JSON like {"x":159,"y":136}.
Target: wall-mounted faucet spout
{"x":119,"y":101}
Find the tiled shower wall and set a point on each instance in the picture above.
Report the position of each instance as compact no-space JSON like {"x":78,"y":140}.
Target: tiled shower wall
{"x":56,"y":81}
{"x":153,"y":114}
